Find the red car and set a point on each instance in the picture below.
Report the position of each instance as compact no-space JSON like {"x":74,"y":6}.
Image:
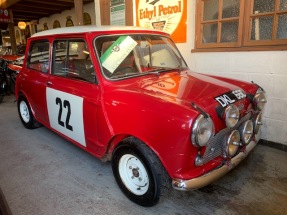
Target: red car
{"x":126,"y":95}
{"x":5,"y":59}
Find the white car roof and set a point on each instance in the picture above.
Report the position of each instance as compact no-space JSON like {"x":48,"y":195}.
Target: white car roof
{"x":86,"y":29}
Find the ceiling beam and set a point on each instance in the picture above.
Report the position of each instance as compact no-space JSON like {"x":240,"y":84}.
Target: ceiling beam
{"x":43,"y":5}
{"x":27,"y":10}
{"x":54,"y":3}
{"x":33,"y":8}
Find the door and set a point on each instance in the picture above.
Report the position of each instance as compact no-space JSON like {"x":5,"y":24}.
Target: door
{"x":72,"y":93}
{"x":36,"y":75}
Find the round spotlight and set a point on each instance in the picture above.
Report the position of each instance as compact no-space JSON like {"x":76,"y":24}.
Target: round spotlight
{"x":233,"y":142}
{"x":231,"y":116}
{"x":257,"y":123}
{"x":246,"y":131}
{"x":259,"y":100}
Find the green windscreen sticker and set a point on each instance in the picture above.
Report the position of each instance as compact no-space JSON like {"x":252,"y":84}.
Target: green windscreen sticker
{"x":117,"y":52}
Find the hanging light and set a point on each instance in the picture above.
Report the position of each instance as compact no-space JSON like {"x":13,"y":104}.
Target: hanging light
{"x":22,"y":25}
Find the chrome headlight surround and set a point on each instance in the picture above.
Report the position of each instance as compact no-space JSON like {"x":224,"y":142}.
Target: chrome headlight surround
{"x":232,"y":143}
{"x":202,"y":131}
{"x":257,"y":123}
{"x":259,"y":99}
{"x":246,"y":131}
{"x":231,"y":116}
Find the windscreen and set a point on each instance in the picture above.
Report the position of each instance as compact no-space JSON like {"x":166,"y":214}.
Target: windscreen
{"x":124,"y":56}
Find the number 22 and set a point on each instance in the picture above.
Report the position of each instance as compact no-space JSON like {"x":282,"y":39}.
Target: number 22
{"x":67,"y":105}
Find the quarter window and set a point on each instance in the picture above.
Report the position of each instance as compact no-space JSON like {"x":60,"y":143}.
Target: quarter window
{"x":241,"y":23}
{"x":38,"y":58}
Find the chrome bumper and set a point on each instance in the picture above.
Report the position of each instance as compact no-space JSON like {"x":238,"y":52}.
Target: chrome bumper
{"x":212,"y":176}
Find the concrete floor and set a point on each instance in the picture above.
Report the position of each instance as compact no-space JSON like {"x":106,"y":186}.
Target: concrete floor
{"x":41,"y":173}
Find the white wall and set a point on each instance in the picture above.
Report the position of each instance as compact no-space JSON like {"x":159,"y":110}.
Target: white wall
{"x":266,"y":68}
{"x":61,"y":17}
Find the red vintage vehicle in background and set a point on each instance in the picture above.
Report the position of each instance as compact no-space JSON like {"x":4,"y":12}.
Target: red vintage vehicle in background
{"x":126,"y":95}
{"x":13,"y":70}
{"x":7,"y":58}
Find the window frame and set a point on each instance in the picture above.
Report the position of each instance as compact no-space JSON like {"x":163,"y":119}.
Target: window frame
{"x":248,"y":20}
{"x":28,"y":62}
{"x":67,"y":58}
{"x":244,"y":42}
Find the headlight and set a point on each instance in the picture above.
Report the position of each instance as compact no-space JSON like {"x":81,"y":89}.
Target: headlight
{"x":257,"y":122}
{"x":231,"y":116}
{"x":202,"y":131}
{"x":232,"y":143}
{"x":246,"y":131}
{"x":259,"y":99}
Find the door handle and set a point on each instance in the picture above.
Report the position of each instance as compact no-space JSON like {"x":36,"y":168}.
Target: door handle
{"x":49,"y":83}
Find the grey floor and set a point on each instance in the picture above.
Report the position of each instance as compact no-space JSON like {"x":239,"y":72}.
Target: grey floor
{"x":41,"y":173}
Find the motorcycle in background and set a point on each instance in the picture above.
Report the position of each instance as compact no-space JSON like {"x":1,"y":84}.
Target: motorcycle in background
{"x":3,"y":85}
{"x":10,"y":65}
{"x":12,"y":71}
{"x":8,"y":75}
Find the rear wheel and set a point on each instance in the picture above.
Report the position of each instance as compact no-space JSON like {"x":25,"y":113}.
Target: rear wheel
{"x":25,"y":114}
{"x":139,"y":173}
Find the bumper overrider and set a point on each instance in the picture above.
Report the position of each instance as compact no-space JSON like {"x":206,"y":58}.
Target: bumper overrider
{"x":213,"y":175}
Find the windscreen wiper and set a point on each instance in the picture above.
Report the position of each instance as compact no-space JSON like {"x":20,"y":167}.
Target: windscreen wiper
{"x":158,"y":71}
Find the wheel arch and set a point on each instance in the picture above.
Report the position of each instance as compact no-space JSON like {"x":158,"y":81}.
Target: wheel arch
{"x":159,"y":179}
{"x":22,"y":94}
{"x":120,"y":140}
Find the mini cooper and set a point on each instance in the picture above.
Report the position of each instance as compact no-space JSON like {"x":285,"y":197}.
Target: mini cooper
{"x":126,"y":95}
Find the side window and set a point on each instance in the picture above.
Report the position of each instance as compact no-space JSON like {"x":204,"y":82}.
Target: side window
{"x":72,"y":60}
{"x":38,"y":58}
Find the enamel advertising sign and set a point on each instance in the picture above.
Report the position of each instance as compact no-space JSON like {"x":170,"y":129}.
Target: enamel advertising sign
{"x":4,"y":15}
{"x":165,"y":15}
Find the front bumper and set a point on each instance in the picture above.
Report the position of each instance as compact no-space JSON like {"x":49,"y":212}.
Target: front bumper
{"x":212,"y":176}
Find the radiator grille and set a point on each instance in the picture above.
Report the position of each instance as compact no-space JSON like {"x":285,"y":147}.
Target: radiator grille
{"x":216,"y":146}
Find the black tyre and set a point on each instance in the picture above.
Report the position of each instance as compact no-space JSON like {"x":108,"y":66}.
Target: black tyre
{"x":25,"y":114}
{"x":139,"y":173}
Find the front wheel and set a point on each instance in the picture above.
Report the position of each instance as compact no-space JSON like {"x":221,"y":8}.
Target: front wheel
{"x":139,"y":173}
{"x":25,"y":114}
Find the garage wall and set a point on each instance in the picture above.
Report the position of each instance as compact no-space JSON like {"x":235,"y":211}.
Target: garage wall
{"x":266,"y":68}
{"x":88,"y":8}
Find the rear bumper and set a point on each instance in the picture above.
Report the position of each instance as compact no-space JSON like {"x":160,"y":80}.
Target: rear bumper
{"x":212,"y":176}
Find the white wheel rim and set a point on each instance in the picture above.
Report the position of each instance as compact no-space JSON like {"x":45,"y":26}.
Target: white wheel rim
{"x":24,"y":111}
{"x":133,"y":174}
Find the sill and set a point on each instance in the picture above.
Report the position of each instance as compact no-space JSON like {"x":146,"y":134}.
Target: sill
{"x":241,"y":49}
